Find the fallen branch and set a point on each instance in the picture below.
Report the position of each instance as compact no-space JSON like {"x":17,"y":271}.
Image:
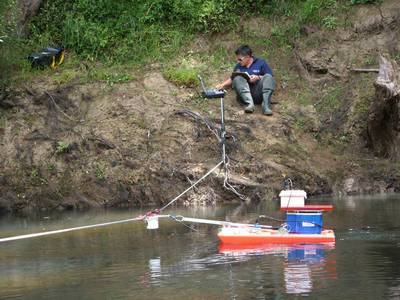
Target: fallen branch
{"x":365,"y":70}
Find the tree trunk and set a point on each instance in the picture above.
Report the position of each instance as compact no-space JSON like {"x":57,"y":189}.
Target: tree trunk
{"x":29,"y":9}
{"x":383,"y":119}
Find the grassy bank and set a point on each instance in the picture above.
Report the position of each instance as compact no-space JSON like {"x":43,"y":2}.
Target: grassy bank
{"x":134,"y":33}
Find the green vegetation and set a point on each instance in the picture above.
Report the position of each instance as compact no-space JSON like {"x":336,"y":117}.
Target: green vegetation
{"x":51,"y":168}
{"x":330,"y":22}
{"x":62,"y":147}
{"x":220,"y":58}
{"x":131,"y":30}
{"x":114,"y":78}
{"x":3,"y":119}
{"x":300,"y":123}
{"x":65,"y":76}
{"x":100,"y":172}
{"x":305,"y":97}
{"x":332,"y":100}
{"x":337,"y":143}
{"x":36,"y":177}
{"x":366,"y":93}
{"x":181,"y":76}
{"x":134,"y":33}
{"x":371,"y":60}
{"x":12,"y":49}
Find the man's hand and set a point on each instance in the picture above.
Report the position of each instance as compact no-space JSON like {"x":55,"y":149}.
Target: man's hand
{"x":254,"y":78}
{"x":220,"y":86}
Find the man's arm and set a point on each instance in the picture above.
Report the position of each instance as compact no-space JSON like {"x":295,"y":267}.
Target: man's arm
{"x":224,"y":84}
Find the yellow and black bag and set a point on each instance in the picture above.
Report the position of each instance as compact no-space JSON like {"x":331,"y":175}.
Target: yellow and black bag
{"x":48,"y":57}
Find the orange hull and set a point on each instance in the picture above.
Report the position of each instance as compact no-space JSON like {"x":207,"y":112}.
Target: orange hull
{"x":230,"y":235}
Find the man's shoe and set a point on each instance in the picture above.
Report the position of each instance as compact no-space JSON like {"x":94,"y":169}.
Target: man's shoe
{"x":266,"y":111}
{"x":266,"y":102}
{"x":249,"y":108}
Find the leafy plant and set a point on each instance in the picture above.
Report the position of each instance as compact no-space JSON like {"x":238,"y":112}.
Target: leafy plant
{"x":36,"y":178}
{"x":300,"y":123}
{"x":114,"y":78}
{"x":51,"y":168}
{"x":100,"y":173}
{"x":62,"y":147}
{"x":330,"y":22}
{"x":371,"y":60}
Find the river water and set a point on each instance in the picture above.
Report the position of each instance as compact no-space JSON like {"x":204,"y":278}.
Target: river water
{"x":127,"y":261}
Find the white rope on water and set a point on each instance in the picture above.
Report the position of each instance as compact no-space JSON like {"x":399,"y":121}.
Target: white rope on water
{"x":32,"y":235}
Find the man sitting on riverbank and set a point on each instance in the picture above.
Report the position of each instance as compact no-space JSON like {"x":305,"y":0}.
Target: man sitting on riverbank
{"x":254,"y":87}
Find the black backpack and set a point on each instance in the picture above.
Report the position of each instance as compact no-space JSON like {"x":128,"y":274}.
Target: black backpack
{"x":48,"y":57}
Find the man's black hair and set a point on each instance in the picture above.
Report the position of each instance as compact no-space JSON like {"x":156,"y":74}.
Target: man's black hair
{"x":244,"y":50}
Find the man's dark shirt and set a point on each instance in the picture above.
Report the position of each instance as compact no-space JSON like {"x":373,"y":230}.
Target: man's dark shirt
{"x":258,"y":67}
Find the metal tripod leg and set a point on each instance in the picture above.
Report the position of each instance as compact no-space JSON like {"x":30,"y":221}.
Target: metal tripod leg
{"x":223,"y":135}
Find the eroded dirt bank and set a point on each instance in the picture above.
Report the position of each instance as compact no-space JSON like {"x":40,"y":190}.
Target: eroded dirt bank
{"x":136,"y":143}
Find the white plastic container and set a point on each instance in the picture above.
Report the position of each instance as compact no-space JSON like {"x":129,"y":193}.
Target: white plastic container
{"x":152,"y":222}
{"x":292,"y":198}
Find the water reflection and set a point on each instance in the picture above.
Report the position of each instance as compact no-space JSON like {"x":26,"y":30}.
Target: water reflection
{"x":300,"y":262}
{"x":155,"y":270}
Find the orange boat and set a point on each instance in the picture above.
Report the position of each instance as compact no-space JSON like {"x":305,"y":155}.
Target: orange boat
{"x":298,"y":250}
{"x":254,"y":236}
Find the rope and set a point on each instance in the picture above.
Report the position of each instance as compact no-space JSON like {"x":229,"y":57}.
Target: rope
{"x":192,"y":186}
{"x":32,"y":235}
{"x":227,"y":185}
{"x":179,"y":221}
{"x":288,"y":185}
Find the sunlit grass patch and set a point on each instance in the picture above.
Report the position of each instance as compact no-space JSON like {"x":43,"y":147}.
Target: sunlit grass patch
{"x":182,"y":76}
{"x":66,"y":76}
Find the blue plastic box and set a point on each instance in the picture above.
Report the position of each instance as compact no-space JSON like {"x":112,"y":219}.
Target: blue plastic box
{"x":307,"y":222}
